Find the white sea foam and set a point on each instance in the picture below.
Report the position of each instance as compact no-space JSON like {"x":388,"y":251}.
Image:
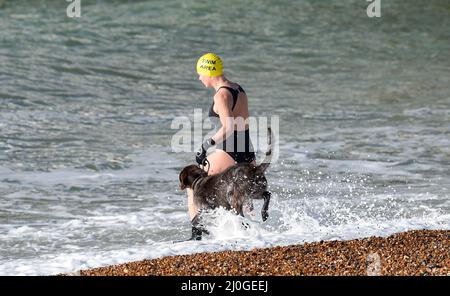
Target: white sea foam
{"x":67,"y":231}
{"x":227,"y":232}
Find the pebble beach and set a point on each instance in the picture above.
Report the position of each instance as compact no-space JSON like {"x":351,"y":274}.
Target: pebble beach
{"x":419,"y":252}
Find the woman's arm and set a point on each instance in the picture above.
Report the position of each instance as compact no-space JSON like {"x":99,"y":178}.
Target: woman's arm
{"x":223,"y":101}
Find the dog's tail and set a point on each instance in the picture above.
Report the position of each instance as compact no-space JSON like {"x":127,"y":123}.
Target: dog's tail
{"x":266,"y":162}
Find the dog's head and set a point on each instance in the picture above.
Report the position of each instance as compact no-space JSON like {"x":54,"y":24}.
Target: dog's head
{"x":189,"y":174}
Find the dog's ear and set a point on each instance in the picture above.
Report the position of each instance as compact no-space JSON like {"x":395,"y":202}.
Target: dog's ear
{"x":189,"y":174}
{"x":183,"y":177}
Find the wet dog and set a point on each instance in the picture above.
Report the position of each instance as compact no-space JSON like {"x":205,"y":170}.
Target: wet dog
{"x":231,"y":189}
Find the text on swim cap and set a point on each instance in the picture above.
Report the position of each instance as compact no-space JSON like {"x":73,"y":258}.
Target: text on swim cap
{"x":208,"y":61}
{"x":207,"y":67}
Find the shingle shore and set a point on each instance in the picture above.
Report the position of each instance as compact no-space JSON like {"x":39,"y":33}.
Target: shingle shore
{"x":421,"y":252}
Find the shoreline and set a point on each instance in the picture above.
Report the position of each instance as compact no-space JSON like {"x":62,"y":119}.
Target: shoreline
{"x":417,"y":252}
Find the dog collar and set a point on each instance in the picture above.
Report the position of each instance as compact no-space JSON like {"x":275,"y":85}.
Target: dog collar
{"x":195,"y":181}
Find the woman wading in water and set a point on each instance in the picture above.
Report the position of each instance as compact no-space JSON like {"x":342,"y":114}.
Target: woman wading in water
{"x":229,"y":110}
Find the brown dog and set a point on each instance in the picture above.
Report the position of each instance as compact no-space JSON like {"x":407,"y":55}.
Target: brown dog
{"x":231,"y":189}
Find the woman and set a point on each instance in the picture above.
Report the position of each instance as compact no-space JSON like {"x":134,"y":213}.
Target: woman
{"x":230,"y":111}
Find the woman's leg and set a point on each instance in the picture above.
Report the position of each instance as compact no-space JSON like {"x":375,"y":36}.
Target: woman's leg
{"x":219,"y":161}
{"x":191,"y":206}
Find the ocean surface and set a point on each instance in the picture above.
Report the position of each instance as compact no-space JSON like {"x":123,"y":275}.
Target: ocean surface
{"x":88,"y":176}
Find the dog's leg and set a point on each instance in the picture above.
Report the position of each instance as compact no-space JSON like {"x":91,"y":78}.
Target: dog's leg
{"x":265,"y":208}
{"x":230,"y":197}
{"x":237,"y":203}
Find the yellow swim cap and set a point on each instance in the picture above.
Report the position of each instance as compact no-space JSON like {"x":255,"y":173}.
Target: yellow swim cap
{"x":210,"y":65}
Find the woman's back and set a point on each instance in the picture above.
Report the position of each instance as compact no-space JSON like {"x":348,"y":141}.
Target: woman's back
{"x":240,"y":109}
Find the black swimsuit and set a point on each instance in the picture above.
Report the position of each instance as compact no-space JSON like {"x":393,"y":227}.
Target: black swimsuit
{"x":238,"y":145}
